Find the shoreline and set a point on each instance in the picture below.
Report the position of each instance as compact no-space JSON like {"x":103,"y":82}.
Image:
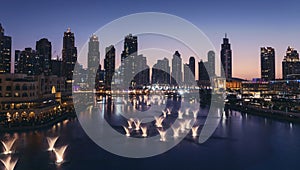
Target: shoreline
{"x":267,"y":113}
{"x":38,"y":127}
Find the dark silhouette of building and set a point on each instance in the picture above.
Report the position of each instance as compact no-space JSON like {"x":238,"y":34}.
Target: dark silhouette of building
{"x":192,"y":65}
{"x":176,"y":78}
{"x":27,"y":62}
{"x":203,"y":74}
{"x":93,"y":59}
{"x":290,"y":63}
{"x":267,"y":56}
{"x":109,"y":65}
{"x":69,"y":58}
{"x":44,"y":53}
{"x":189,"y":71}
{"x":226,"y":58}
{"x":211,"y":63}
{"x":161,"y":72}
{"x":127,"y":59}
{"x":57,"y":67}
{"x":17,"y":58}
{"x":141,"y":71}
{"x":5,"y":52}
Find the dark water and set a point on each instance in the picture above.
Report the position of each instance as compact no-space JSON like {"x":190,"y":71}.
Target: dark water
{"x":240,"y":142}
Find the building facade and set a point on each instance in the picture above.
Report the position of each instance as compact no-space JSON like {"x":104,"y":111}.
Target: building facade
{"x":176,"y":78}
{"x":5,"y":52}
{"x":93,"y":59}
{"x":226,"y":58}
{"x":290,"y":63}
{"x":109,"y":65}
{"x":69,"y":58}
{"x":267,"y":63}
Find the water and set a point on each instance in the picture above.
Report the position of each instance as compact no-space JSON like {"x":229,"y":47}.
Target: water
{"x":240,"y":142}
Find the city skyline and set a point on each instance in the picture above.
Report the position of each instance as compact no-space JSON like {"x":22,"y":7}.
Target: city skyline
{"x":260,"y":28}
{"x":48,"y":45}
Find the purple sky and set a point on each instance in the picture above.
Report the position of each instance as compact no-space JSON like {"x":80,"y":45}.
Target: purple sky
{"x":249,"y":24}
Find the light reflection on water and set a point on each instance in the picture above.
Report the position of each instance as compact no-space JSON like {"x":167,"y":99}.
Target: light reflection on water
{"x":241,"y":141}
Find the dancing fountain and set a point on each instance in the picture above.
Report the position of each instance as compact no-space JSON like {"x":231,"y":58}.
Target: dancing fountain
{"x":164,"y":113}
{"x":8,"y":146}
{"x":126,"y":131}
{"x":195,"y":114}
{"x":137,"y":124}
{"x":59,"y":153}
{"x":180,"y":114}
{"x":175,"y":132}
{"x":169,"y":111}
{"x":162,"y":135}
{"x":8,"y":163}
{"x":194,"y":131}
{"x":144,"y":131}
{"x":158,"y":121}
{"x":187,"y":123}
{"x":187,"y":111}
{"x":182,"y":126}
{"x":129,"y":123}
{"x":51,"y":143}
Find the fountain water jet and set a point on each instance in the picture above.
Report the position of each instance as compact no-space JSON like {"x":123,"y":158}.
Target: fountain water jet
{"x":187,"y":111}
{"x":8,"y":163}
{"x":158,"y":121}
{"x":129,"y":122}
{"x":175,"y":132}
{"x":51,"y":143}
{"x":164,"y":113}
{"x":194,"y":131}
{"x":180,"y":114}
{"x":126,"y":131}
{"x":195,"y":114}
{"x":187,"y":124}
{"x":169,"y":111}
{"x":8,"y":146}
{"x":182,"y":126}
{"x":144,"y":131}
{"x":59,"y":153}
{"x":162,"y":135}
{"x":137,"y":124}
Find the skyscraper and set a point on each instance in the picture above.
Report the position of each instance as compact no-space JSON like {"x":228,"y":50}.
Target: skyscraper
{"x":267,"y":58}
{"x":44,"y":52}
{"x":161,"y":72}
{"x":5,"y":52}
{"x":176,"y":78}
{"x":27,"y":62}
{"x":93,"y":59}
{"x":141,"y":71}
{"x":69,"y":58}
{"x":211,"y":57}
{"x":203,"y":73}
{"x":290,"y":63}
{"x":226,"y":58}
{"x":128,"y":56}
{"x":192,"y":65}
{"x":109,"y":65}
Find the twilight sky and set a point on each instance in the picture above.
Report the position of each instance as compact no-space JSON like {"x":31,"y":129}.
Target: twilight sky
{"x":249,"y":24}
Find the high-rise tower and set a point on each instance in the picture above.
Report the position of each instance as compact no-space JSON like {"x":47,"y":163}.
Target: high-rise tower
{"x":93,"y":59}
{"x":267,"y":64}
{"x":69,"y":58}
{"x":290,"y":63}
{"x":109,"y":65}
{"x":5,"y":52}
{"x":226,"y":58}
{"x":44,"y":53}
